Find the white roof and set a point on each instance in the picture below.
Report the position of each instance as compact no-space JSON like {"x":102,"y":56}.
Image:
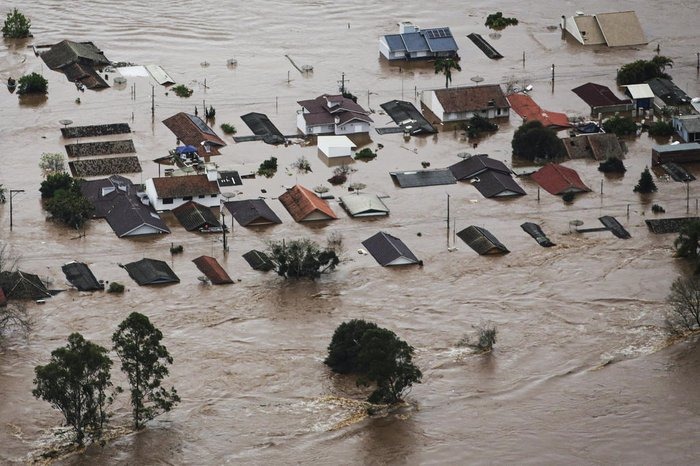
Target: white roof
{"x":362,"y":205}
{"x":640,"y":91}
{"x":326,"y":142}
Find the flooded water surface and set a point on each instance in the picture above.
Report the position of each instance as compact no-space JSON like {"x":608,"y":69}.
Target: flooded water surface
{"x":579,"y":373}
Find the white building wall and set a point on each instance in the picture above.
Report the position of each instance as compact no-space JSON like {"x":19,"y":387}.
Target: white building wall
{"x":301,"y":123}
{"x":159,"y":205}
{"x":352,"y":128}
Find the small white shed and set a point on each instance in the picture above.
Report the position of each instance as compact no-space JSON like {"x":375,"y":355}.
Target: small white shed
{"x":335,"y":146}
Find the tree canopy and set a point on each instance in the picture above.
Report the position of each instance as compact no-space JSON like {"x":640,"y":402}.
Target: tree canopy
{"x":641,"y":71}
{"x":533,"y":141}
{"x":33,"y":83}
{"x":445,"y":66}
{"x":52,"y":162}
{"x":646,"y":183}
{"x":684,"y":299}
{"x":301,"y":258}
{"x":144,"y":361}
{"x":687,"y":244}
{"x":75,"y":382}
{"x":16,"y":25}
{"x":620,"y":126}
{"x":64,"y":200}
{"x":377,"y":356}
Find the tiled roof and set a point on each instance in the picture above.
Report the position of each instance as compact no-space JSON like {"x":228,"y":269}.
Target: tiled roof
{"x":319,"y":113}
{"x":212,"y":269}
{"x":529,"y":111}
{"x":183,"y":186}
{"x":472,"y":166}
{"x":471,"y":98}
{"x":192,"y":130}
{"x":300,"y":202}
{"x":557,"y":179}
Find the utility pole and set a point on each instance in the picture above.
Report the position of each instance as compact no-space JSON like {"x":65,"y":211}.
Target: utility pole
{"x":342,"y":83}
{"x":12,"y":194}
{"x":448,"y":220}
{"x":552,"y":77}
{"x":223,"y":228}
{"x":153,"y":101}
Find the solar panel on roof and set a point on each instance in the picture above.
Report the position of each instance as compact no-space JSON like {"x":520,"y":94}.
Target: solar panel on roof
{"x":438,"y":33}
{"x":200,"y":124}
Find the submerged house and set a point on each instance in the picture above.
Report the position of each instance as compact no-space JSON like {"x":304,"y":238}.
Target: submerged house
{"x":476,"y":165}
{"x":388,"y":250}
{"x":79,"y":61}
{"x":258,"y":260}
{"x":335,"y":149}
{"x":116,"y":200}
{"x":601,"y":99}
{"x":193,"y":131}
{"x":641,"y":95}
{"x":211,"y":268}
{"x":195,"y":216}
{"x":482,"y":241}
{"x":364,"y":205}
{"x":151,"y":272}
{"x":22,"y":285}
{"x":677,"y":153}
{"x":422,"y":178}
{"x":462,"y":103}
{"x":81,"y":277}
{"x":666,"y":93}
{"x":528,"y":110}
{"x":491,"y":177}
{"x":305,"y":206}
{"x":169,"y":192}
{"x":252,"y":212}
{"x":413,"y":43}
{"x":557,"y":179}
{"x":596,"y":146}
{"x":687,"y":127}
{"x":615,"y":29}
{"x":332,"y":114}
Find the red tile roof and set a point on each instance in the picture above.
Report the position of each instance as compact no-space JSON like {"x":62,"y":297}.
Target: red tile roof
{"x":192,"y":130}
{"x":471,"y":98}
{"x":300,"y":202}
{"x":212,"y":269}
{"x":529,"y":111}
{"x":183,"y":186}
{"x":557,"y":179}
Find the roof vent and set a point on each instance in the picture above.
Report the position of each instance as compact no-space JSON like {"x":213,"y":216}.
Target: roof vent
{"x":579,"y":13}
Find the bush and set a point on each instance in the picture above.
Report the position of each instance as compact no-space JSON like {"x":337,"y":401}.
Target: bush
{"x":182,"y":91}
{"x":661,"y":128}
{"x":70,"y":207}
{"x":478,"y":125}
{"x":55,"y":182}
{"x":115,"y":287}
{"x":568,"y":197}
{"x":302,"y":165}
{"x":32,"y":84}
{"x":16,"y":25}
{"x":641,"y":71}
{"x":365,"y":154}
{"x":228,"y":128}
{"x":301,"y":258}
{"x":176,"y":249}
{"x":52,"y":162}
{"x":684,"y":299}
{"x":646,"y":183}
{"x":339,"y":179}
{"x":210,"y":113}
{"x":268,"y":167}
{"x":612,"y":165}
{"x":533,"y":141}
{"x":657,"y":209}
{"x":497,"y":21}
{"x":620,"y":126}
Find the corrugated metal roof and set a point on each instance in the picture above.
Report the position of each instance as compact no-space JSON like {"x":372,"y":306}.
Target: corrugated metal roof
{"x":406,"y":115}
{"x":195,"y":216}
{"x":364,"y":205}
{"x":481,"y":241}
{"x":596,"y":95}
{"x":301,"y":203}
{"x":640,"y":91}
{"x":151,"y":272}
{"x":389,"y":250}
{"x":212,"y":269}
{"x":496,"y":184}
{"x":420,"y":178}
{"x":159,"y":74}
{"x":258,"y":260}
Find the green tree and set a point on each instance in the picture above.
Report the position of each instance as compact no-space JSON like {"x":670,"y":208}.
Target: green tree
{"x":445,"y":66}
{"x":661,"y":128}
{"x":144,"y":360}
{"x":301,"y":258}
{"x":684,"y":298}
{"x":612,"y":165}
{"x":13,"y":314}
{"x":75,"y":382}
{"x":345,"y":346}
{"x":533,"y":141}
{"x":70,"y":207}
{"x":52,"y":162}
{"x":646,"y":183}
{"x":33,"y":83}
{"x":55,"y":182}
{"x":641,"y":71}
{"x":620,"y":126}
{"x":16,"y":25}
{"x":687,"y":244}
{"x":478,"y":125}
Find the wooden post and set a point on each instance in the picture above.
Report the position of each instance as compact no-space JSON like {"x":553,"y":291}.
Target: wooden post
{"x":448,"y":220}
{"x":628,"y":211}
{"x":538,"y":194}
{"x":601,"y":187}
{"x":523,"y":59}
{"x":552,"y":77}
{"x":276,"y":106}
{"x":687,"y":197}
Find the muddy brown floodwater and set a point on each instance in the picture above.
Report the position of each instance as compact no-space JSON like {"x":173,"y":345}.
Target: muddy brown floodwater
{"x":579,"y":374}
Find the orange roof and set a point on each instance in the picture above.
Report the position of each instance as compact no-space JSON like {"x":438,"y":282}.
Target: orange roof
{"x":212,"y":269}
{"x":557,"y":179}
{"x":528,"y":110}
{"x":301,"y":203}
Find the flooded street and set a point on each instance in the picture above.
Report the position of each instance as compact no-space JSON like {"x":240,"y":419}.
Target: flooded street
{"x":580,"y":373}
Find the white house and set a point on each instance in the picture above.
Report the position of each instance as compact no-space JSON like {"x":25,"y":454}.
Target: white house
{"x":167,"y":193}
{"x":335,"y":149}
{"x":412,"y":43}
{"x":332,"y":114}
{"x":462,"y":103}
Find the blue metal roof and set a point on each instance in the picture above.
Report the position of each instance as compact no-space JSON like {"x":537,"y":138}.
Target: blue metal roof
{"x":395,"y":43}
{"x":415,"y":42}
{"x":443,"y":44}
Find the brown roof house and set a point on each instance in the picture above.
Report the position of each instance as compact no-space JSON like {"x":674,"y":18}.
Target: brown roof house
{"x":212,"y":270}
{"x":615,"y":29}
{"x":305,"y":205}
{"x":169,"y":192}
{"x":557,"y":179}
{"x":601,"y":99}
{"x":462,"y":103}
{"x":79,"y":61}
{"x":193,"y":131}
{"x":332,"y":114}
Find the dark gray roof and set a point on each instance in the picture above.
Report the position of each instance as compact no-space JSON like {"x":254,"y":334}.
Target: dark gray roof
{"x":389,"y":250}
{"x":151,"y":272}
{"x":666,"y":90}
{"x":195,"y":216}
{"x":251,"y":212}
{"x":258,"y":260}
{"x":439,"y":39}
{"x":481,"y":240}
{"x":476,"y":164}
{"x":406,"y":115}
{"x":536,"y":232}
{"x":395,"y":43}
{"x":418,"y":178}
{"x":669,"y":225}
{"x":68,"y":52}
{"x":496,"y":184}
{"x":415,"y":42}
{"x":22,"y":285}
{"x":229,"y":178}
{"x":691,"y":123}
{"x":95,"y":130}
{"x":261,"y":125}
{"x":80,"y":276}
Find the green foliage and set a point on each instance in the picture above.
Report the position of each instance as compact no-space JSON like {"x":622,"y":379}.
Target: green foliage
{"x":646,"y":183}
{"x":657,"y":209}
{"x":33,"y":83}
{"x":641,"y":71}
{"x":497,"y":21}
{"x":687,"y":244}
{"x":52,"y":162}
{"x":115,"y":287}
{"x":3,"y":190}
{"x":568,"y":197}
{"x":16,"y":25}
{"x":55,"y":182}
{"x":302,"y":165}
{"x":620,"y":126}
{"x":365,"y":154}
{"x":182,"y":91}
{"x":684,"y":298}
{"x":445,"y":66}
{"x":268,"y":167}
{"x":345,"y":346}
{"x":485,"y":338}
{"x":301,"y":258}
{"x":144,"y":361}
{"x":338,"y":179}
{"x":13,"y":314}
{"x":612,"y":165}
{"x":533,"y":141}
{"x":67,"y":204}
{"x":350,"y":96}
{"x":478,"y":125}
{"x":75,"y":382}
{"x":176,"y":249}
{"x":228,"y":128}
{"x":661,"y":128}
{"x":210,"y":113}
{"x":377,"y":355}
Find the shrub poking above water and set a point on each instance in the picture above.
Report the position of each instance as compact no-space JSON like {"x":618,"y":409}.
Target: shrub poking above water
{"x":182,"y":91}
{"x":497,"y":21}
{"x":16,"y":25}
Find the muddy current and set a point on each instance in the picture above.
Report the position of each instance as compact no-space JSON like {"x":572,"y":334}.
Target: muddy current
{"x":581,"y":372}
